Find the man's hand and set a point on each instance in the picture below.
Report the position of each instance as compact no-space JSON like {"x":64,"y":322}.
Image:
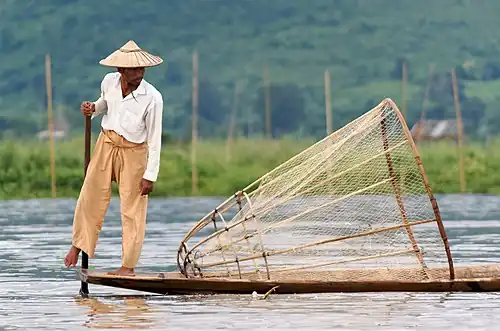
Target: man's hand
{"x":146,"y":186}
{"x":87,"y":108}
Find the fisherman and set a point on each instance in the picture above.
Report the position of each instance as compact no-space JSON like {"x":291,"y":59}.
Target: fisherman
{"x":127,"y":152}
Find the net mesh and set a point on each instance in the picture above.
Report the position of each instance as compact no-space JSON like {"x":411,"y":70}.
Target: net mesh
{"x":354,"y":206}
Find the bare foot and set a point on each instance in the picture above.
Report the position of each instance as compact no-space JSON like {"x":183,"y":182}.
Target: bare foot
{"x":122,"y":271}
{"x":71,"y":258}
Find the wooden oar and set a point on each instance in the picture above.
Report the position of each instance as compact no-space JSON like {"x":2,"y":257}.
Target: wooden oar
{"x":84,"y":288}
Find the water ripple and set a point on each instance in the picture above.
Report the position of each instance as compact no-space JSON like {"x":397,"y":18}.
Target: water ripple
{"x":37,"y":292}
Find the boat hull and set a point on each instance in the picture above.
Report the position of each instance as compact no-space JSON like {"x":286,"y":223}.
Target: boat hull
{"x":480,"y":279}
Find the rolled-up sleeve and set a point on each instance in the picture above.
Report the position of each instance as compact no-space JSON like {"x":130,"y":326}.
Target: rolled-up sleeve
{"x":154,"y":117}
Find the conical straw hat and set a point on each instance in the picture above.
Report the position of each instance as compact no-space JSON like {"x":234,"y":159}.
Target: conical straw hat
{"x":131,"y":56}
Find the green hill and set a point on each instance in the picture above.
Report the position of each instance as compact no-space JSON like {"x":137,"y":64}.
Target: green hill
{"x":361,"y":42}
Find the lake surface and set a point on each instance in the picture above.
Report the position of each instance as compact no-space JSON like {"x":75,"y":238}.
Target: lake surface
{"x":38,"y":293}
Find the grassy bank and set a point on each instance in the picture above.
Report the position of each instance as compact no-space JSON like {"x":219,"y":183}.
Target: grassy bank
{"x":26,"y":168}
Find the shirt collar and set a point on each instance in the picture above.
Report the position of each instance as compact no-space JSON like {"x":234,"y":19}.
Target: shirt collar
{"x":141,"y":89}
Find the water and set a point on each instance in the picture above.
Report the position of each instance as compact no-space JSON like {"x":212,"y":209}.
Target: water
{"x":37,"y":292}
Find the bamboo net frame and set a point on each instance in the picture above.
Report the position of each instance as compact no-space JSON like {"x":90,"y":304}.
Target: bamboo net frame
{"x":249,"y":244}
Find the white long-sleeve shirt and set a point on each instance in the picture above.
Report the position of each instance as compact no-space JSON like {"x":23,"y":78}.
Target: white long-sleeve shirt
{"x":137,"y":118}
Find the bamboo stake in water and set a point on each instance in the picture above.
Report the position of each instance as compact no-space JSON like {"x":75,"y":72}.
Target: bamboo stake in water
{"x":425,"y":102}
{"x":48,"y":78}
{"x":403,"y":102}
{"x":403,"y":89}
{"x":459,"y":129}
{"x":268,"y":101}
{"x":232,"y":122}
{"x":328,"y":104}
{"x":194,"y":126}
{"x":249,"y":126}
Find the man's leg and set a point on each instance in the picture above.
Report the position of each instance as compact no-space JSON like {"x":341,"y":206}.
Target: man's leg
{"x":133,"y":205}
{"x":92,"y":204}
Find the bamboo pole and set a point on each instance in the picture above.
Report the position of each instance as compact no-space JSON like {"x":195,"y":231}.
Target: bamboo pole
{"x":48,"y":79}
{"x":194,"y":126}
{"x":459,"y":129}
{"x":232,"y":122}
{"x":404,"y":79}
{"x":249,"y":126}
{"x":435,"y":207}
{"x":84,"y":286}
{"x":425,"y":102}
{"x":397,"y":194}
{"x":268,"y":101}
{"x":328,"y":104}
{"x":403,"y":89}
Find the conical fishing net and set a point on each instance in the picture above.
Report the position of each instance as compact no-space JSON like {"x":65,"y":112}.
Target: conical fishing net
{"x":355,"y":206}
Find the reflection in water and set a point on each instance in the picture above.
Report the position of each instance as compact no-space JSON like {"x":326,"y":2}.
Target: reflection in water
{"x":132,"y":313}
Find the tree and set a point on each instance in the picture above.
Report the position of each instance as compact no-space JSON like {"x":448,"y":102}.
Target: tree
{"x":287,"y":109}
{"x":212,"y":111}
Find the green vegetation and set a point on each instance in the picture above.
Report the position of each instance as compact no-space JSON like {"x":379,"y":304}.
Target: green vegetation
{"x":361,"y":42}
{"x":26,"y":167}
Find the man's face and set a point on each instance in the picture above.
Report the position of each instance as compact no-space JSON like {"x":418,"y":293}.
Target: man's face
{"x":132,"y":76}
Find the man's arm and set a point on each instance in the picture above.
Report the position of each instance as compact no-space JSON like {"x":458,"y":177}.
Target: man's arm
{"x":100,"y":104}
{"x":154,"y":118}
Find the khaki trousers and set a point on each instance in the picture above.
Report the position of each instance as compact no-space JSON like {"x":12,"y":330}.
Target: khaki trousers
{"x":114,"y":159}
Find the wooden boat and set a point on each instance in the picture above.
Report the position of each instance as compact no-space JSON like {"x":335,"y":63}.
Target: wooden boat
{"x":482,"y":278}
{"x":352,"y":213}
